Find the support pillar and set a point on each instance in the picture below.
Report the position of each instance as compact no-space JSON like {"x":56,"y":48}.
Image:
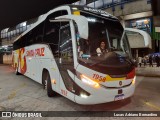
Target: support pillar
{"x":136,"y":53}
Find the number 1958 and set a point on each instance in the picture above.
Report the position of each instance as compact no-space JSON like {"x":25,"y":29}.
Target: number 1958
{"x":100,"y":78}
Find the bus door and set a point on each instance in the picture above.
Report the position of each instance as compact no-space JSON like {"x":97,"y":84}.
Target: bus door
{"x":66,"y":62}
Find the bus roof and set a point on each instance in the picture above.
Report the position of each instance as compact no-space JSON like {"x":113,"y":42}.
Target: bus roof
{"x":41,"y":18}
{"x":92,"y":10}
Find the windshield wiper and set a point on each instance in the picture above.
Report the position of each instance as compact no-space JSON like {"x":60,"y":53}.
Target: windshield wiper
{"x":98,"y":63}
{"x":119,"y":55}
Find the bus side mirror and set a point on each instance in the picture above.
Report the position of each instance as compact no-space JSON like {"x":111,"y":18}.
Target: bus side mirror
{"x":81,"y":21}
{"x":138,"y":38}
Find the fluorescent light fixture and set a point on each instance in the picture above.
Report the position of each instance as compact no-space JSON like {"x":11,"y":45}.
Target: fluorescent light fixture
{"x":24,"y":24}
{"x":5,"y":46}
{"x":145,"y":20}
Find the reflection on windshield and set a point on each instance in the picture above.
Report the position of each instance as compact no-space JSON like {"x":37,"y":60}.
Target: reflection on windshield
{"x":105,"y":36}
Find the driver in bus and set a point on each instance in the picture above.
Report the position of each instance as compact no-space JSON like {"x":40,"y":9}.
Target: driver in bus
{"x":102,"y":48}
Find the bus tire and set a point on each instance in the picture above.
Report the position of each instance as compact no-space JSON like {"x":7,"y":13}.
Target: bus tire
{"x":16,"y":72}
{"x":47,"y":84}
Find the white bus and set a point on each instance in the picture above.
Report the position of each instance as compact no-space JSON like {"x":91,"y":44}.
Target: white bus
{"x":59,"y":51}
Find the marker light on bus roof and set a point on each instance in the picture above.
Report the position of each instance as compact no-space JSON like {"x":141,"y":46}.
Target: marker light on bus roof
{"x":145,"y":20}
{"x":74,"y":8}
{"x":89,"y":81}
{"x":91,"y":19}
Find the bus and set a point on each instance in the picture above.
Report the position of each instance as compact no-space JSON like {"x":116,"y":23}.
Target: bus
{"x":59,"y":52}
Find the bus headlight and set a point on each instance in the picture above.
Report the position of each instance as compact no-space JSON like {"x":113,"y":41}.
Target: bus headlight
{"x":89,"y":81}
{"x":83,"y":95}
{"x":134,"y":80}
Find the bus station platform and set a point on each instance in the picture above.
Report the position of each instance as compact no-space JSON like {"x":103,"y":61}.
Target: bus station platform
{"x":148,"y":71}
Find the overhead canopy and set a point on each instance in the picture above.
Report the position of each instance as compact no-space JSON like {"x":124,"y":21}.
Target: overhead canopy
{"x":13,"y":12}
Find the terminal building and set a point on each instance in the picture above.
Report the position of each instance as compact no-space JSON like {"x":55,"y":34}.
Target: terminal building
{"x":139,"y":14}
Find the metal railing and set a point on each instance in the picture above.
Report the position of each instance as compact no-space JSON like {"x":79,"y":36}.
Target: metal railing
{"x":104,"y":4}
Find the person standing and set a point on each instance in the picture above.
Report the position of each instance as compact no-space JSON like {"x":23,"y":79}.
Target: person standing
{"x":157,"y":59}
{"x":144,"y":61}
{"x":140,"y":61}
{"x":150,"y":61}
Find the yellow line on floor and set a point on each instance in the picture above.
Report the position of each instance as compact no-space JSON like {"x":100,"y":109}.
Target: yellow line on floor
{"x":14,"y":92}
{"x":152,"y":105}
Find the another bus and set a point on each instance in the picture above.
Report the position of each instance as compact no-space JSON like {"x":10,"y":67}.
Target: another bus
{"x":50,"y":53}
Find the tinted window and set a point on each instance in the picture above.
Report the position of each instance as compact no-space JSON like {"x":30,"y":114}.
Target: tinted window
{"x":51,"y":31}
{"x":35,"y":35}
{"x":46,"y":32}
{"x":65,"y":45}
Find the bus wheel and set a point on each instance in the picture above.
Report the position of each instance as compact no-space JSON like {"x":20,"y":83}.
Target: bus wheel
{"x":47,"y":85}
{"x":16,"y":72}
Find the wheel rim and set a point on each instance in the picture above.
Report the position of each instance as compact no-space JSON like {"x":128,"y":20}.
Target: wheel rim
{"x":45,"y":84}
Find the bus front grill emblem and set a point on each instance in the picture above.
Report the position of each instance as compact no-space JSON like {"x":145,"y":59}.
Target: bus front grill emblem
{"x":120,"y":83}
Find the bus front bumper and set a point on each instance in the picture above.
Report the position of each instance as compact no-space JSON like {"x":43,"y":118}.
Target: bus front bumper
{"x":103,"y":95}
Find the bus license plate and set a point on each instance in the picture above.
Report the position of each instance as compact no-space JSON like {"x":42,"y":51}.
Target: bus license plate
{"x":119,"y":97}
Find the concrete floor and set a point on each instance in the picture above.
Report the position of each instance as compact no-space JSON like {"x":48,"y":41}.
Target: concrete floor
{"x":19,"y":93}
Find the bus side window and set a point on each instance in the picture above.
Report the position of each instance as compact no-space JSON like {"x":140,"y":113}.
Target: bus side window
{"x":35,"y":35}
{"x":65,"y":45}
{"x":51,"y":36}
{"x":38,"y":33}
{"x":29,"y":39}
{"x":20,"y":43}
{"x":51,"y":32}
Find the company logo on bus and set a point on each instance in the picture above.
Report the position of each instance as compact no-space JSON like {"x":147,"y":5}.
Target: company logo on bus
{"x":36,"y":52}
{"x":120,"y":83}
{"x":121,"y":60}
{"x":104,"y":13}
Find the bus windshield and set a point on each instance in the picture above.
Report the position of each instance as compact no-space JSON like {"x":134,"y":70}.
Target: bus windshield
{"x":105,"y":35}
